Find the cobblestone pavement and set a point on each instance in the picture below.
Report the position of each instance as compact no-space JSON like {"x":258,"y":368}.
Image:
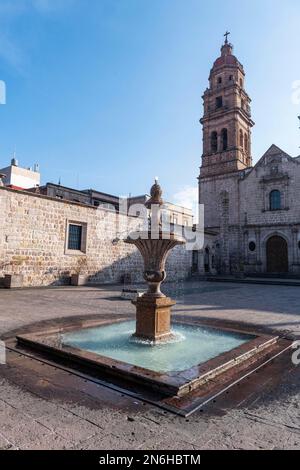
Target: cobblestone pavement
{"x":42,"y":407}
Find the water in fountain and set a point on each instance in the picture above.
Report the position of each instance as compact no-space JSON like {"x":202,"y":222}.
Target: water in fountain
{"x":193,"y":345}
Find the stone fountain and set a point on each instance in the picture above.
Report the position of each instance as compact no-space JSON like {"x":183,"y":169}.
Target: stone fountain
{"x":153,"y":308}
{"x":202,"y":352}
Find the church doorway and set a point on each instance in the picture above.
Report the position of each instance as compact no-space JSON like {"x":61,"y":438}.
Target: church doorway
{"x":277,"y":255}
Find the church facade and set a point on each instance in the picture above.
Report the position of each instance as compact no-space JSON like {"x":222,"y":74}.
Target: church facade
{"x":251,"y":213}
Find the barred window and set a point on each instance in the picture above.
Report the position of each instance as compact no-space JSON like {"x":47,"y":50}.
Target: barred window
{"x":75,"y":237}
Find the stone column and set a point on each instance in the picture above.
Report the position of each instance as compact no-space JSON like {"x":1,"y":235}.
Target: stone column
{"x":246,"y":241}
{"x":295,"y":250}
{"x":224,"y":233}
{"x":201,"y":262}
{"x":259,"y":249}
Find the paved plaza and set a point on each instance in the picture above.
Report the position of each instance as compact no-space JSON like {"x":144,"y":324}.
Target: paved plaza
{"x":45,"y":408}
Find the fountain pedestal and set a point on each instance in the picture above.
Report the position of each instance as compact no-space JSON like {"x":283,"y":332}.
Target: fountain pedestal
{"x":153,"y":309}
{"x":153,"y":318}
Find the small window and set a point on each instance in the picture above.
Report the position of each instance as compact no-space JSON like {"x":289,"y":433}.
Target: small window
{"x":241,"y":83}
{"x":252,"y":246}
{"x":246,"y":143}
{"x":75,"y":237}
{"x":275,"y":200}
{"x":219,"y":80}
{"x":299,"y":244}
{"x":219,"y":102}
{"x":224,"y":136}
{"x":214,"y":141}
{"x":230,"y":78}
{"x":241,"y":138}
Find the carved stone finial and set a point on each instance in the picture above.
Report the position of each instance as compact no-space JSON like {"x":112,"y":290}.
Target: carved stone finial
{"x":156,"y":193}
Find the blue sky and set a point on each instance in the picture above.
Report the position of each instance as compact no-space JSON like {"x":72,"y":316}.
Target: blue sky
{"x":107,"y":93}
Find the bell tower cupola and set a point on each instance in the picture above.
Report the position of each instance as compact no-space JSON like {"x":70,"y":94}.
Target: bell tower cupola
{"x":227,"y":119}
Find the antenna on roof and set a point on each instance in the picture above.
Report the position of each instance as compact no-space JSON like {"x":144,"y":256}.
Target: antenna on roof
{"x":14,"y":160}
{"x":59,"y":182}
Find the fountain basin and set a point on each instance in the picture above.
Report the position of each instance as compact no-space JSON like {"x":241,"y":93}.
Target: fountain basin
{"x":189,"y":346}
{"x":164,"y":373}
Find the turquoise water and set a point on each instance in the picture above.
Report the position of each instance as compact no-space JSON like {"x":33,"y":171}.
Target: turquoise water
{"x":194,"y":345}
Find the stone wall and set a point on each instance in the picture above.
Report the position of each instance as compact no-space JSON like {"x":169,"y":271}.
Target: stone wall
{"x":210,"y":194}
{"x":33,"y":231}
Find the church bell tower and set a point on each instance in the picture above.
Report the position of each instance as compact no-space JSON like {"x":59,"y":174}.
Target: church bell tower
{"x":227,"y":119}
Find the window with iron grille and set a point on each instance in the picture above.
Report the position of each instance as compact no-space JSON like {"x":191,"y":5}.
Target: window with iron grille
{"x":275,"y":200}
{"x":75,"y":237}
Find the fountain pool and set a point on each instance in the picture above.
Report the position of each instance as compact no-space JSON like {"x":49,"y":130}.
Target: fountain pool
{"x":190,"y":346}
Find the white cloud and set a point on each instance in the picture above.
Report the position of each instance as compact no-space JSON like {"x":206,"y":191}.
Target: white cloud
{"x":187,"y":197}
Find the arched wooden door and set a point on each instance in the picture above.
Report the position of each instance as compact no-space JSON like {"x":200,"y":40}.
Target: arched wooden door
{"x":277,"y":255}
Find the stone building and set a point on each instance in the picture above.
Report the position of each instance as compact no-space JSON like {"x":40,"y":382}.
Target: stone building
{"x":47,"y":240}
{"x":252,"y":213}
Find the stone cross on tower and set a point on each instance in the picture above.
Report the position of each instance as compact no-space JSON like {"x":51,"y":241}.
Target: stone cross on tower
{"x":226,"y":36}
